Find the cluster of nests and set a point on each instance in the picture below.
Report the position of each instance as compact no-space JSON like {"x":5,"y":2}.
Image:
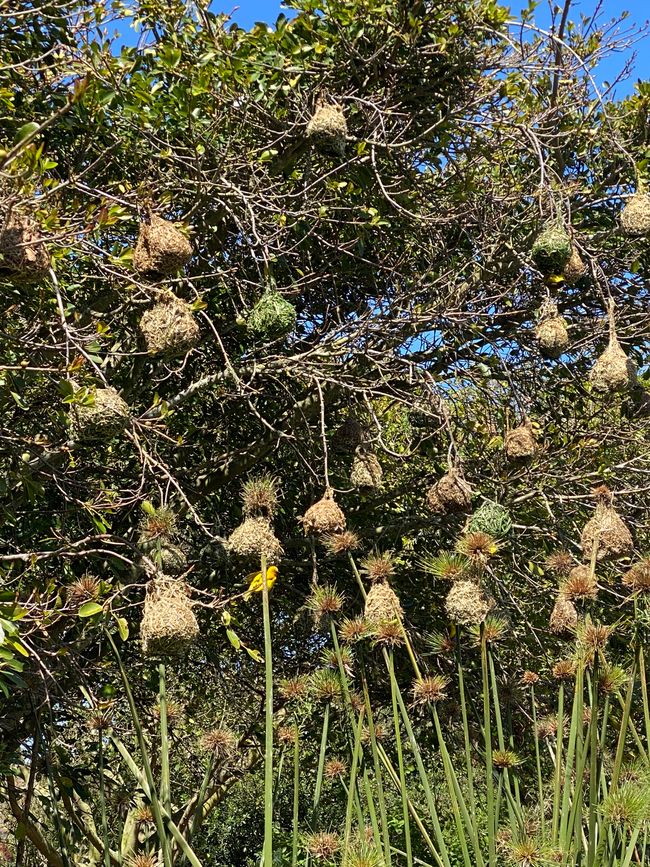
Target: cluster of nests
{"x":605,"y":537}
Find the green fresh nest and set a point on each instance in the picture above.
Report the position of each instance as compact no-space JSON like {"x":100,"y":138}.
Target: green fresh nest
{"x":272,"y":316}
{"x":552,"y":250}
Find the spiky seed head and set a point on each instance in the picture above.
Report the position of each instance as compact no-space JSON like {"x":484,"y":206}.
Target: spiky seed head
{"x":560,"y":563}
{"x":354,"y":629}
{"x":323,"y":845}
{"x":143,"y":815}
{"x":325,"y":685}
{"x":341,"y":543}
{"x":477,"y":547}
{"x":448,"y":566}
{"x":335,"y":769}
{"x":143,"y":859}
{"x":83,"y":589}
{"x":494,"y":628}
{"x":546,"y":727}
{"x":158,"y":523}
{"x":611,"y":679}
{"x":380,"y":732}
{"x":330,"y":659}
{"x":220,"y":742}
{"x":100,"y":719}
{"x":638,"y":577}
{"x":388,"y":633}
{"x":174,"y":712}
{"x":442,"y":643}
{"x":286,"y":735}
{"x":564,"y":669}
{"x":357,"y":701}
{"x":429,"y":690}
{"x":260,"y":497}
{"x":379,"y":567}
{"x":362,"y":854}
{"x":324,"y":602}
{"x":294,"y":688}
{"x":586,"y":715}
{"x":528,"y":852}
{"x":564,"y":617}
{"x":529,"y":678}
{"x":593,"y":637}
{"x":504,"y":759}
{"x":579,"y":584}
{"x":627,"y":806}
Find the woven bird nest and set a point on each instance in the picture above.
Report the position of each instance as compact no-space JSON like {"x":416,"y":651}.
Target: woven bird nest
{"x":170,"y":328}
{"x":552,"y":250}
{"x":382,"y":604}
{"x":253,"y":538}
{"x":366,"y":470}
{"x":613,"y":371}
{"x":606,"y":530}
{"x":467,"y":604}
{"x":168,"y":557}
{"x":492,"y":519}
{"x":551,"y":332}
{"x":161,"y":248}
{"x":564,"y":617}
{"x":451,"y":493}
{"x":348,"y":436}
{"x":324,"y":517}
{"x":575,"y":269}
{"x":23,"y":254}
{"x":105,"y":418}
{"x":272,"y":317}
{"x":328,"y":129}
{"x":168,"y":624}
{"x":635,"y":216}
{"x":520,"y":443}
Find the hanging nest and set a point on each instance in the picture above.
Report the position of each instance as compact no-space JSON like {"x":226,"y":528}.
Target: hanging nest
{"x":272,"y":317}
{"x":492,"y":519}
{"x":253,"y":538}
{"x":552,"y":250}
{"x":564,"y":617}
{"x":450,"y":493}
{"x":168,"y":557}
{"x":613,"y":371}
{"x":105,"y":418}
{"x":23,"y":254}
{"x":575,"y":269}
{"x":366,"y":470}
{"x":170,"y":328}
{"x":551,"y":332}
{"x":520,"y":443}
{"x":161,"y":248}
{"x":328,"y":129}
{"x":607,"y":530}
{"x":348,"y":436}
{"x":324,"y":517}
{"x":382,"y":605}
{"x":168,"y":624}
{"x":467,"y":604}
{"x":635,"y":216}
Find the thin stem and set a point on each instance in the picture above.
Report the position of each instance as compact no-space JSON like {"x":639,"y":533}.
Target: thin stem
{"x":487,"y":735}
{"x":400,"y":762}
{"x":296,"y":795}
{"x":268,"y":744}
{"x":321,"y":759}
{"x":165,"y":785}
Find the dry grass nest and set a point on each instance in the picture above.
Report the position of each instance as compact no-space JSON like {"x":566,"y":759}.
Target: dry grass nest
{"x":520,"y":443}
{"x":451,"y":493}
{"x":23,"y":255}
{"x":575,"y":269}
{"x":564,"y":617}
{"x":348,"y":436}
{"x":613,"y":371}
{"x":382,"y":605}
{"x":467,"y":604}
{"x":635,"y":216}
{"x":106,"y":417}
{"x":161,"y":248}
{"x":170,"y":328}
{"x":168,"y":624}
{"x":253,"y":538}
{"x":609,"y":532}
{"x":324,"y":517}
{"x":551,"y":333}
{"x":328,"y":129}
{"x":366,"y":470}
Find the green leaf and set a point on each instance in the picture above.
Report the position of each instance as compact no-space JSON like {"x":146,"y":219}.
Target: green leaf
{"x":234,"y":639}
{"x":123,"y":627}
{"x":26,"y":130}
{"x":89,"y":609}
{"x":254,"y":654}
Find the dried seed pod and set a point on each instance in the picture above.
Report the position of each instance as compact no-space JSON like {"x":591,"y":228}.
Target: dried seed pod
{"x":23,"y":254}
{"x":106,"y":417}
{"x":564,"y":617}
{"x":467,"y":604}
{"x":168,"y":624}
{"x":451,"y":493}
{"x":635,"y":216}
{"x":324,"y":517}
{"x":613,"y":371}
{"x":382,"y":604}
{"x":366,"y":470}
{"x":328,"y":129}
{"x":272,"y":317}
{"x":170,"y":328}
{"x":520,"y":443}
{"x":161,"y":248}
{"x":552,"y":250}
{"x":551,"y":332}
{"x":575,"y":269}
{"x":606,"y":530}
{"x":253,"y":538}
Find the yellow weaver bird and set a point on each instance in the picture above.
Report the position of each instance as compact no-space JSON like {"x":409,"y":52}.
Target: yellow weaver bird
{"x":257,"y":584}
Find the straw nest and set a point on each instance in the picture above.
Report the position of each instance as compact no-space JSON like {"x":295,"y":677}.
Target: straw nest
{"x":551,"y":333}
{"x":324,"y":517}
{"x":520,"y":443}
{"x":609,"y":532}
{"x":328,"y":129}
{"x":347,"y":436}
{"x":575,"y":269}
{"x":366,"y":470}
{"x":106,"y":417}
{"x":491,"y":518}
{"x":272,"y":317}
{"x":635,"y":216}
{"x":168,"y":623}
{"x":467,"y":604}
{"x":161,"y":248}
{"x":552,"y":250}
{"x":450,"y":493}
{"x":613,"y":371}
{"x":23,"y":254}
{"x":253,"y":538}
{"x":170,"y":328}
{"x":564,"y":617}
{"x":382,"y":604}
